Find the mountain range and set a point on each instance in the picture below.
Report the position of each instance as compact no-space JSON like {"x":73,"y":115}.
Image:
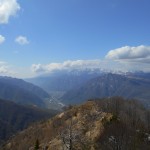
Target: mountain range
{"x":109,"y":85}
{"x":76,"y":86}
{"x":62,"y":81}
{"x":22,"y":103}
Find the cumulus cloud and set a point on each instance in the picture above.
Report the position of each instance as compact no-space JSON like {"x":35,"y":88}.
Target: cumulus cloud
{"x":3,"y":67}
{"x":139,"y":54}
{"x":7,"y":69}
{"x":8,"y":8}
{"x":67,"y":65}
{"x":22,"y":40}
{"x":3,"y":70}
{"x":38,"y":68}
{"x":101,"y":65}
{"x":2,"y":39}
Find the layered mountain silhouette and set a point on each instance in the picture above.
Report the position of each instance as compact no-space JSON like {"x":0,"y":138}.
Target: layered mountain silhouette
{"x":62,"y":81}
{"x":76,"y":86}
{"x":19,"y":91}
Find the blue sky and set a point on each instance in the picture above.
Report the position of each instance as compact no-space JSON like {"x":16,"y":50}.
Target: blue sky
{"x":42,"y":35}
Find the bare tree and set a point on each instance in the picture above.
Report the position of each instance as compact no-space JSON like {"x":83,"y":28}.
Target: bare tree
{"x":68,"y":137}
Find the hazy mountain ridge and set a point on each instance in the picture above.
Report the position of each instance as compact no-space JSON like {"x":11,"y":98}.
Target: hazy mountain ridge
{"x":62,"y":81}
{"x":97,"y":125}
{"x":22,"y":92}
{"x":14,"y":118}
{"x":109,"y":85}
{"x":76,"y":86}
{"x":25,"y":85}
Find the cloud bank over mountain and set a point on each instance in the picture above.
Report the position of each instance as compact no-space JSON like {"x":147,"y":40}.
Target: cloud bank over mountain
{"x":123,"y":59}
{"x":3,"y":68}
{"x":67,"y":65}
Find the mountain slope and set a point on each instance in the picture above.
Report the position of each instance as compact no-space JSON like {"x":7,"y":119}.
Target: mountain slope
{"x":96,"y":125}
{"x":62,"y":81}
{"x":14,"y":117}
{"x":139,"y":74}
{"x":22,"y":92}
{"x":110,"y":85}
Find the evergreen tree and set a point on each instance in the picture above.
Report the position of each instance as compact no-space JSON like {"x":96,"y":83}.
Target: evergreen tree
{"x":36,"y":147}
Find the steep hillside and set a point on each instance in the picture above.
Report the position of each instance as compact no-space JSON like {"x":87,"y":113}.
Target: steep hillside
{"x":62,"y":81}
{"x":14,"y":118}
{"x":22,"y":92}
{"x":110,"y":85}
{"x":96,"y":125}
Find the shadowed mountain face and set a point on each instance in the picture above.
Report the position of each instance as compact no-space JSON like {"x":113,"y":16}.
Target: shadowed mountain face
{"x":14,"y":118}
{"x":22,"y":92}
{"x":77,"y":86}
{"x":63,"y":81}
{"x":102,"y":124}
{"x":110,"y":85}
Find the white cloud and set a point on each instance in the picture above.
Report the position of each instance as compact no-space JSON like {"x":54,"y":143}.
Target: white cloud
{"x":102,"y":65}
{"x":22,"y":40}
{"x":38,"y":68}
{"x":67,"y":65}
{"x":2,"y":39}
{"x":139,"y":54}
{"x":8,"y":8}
{"x":7,"y":69}
{"x":3,"y":68}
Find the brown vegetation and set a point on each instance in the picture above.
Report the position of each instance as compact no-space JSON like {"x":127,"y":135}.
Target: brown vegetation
{"x":106,"y":124}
